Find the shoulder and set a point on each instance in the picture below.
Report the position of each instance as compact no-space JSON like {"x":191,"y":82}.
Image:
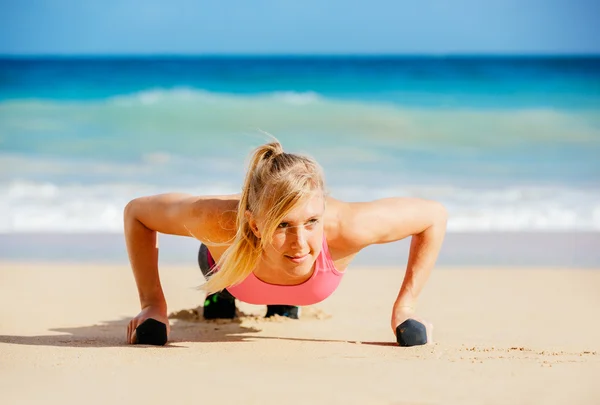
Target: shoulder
{"x":210,"y":219}
{"x":217,"y":215}
{"x":352,"y":226}
{"x":215,"y":205}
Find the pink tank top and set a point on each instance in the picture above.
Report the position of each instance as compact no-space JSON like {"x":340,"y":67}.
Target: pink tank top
{"x":321,"y":284}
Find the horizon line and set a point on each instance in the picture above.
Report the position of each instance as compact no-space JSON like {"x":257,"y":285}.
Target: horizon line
{"x":299,"y":54}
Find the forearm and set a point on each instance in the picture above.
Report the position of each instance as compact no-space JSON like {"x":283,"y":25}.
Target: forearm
{"x":424,"y":250}
{"x":143,"y":256}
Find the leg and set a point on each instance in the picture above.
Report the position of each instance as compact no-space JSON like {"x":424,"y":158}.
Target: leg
{"x":218,"y":305}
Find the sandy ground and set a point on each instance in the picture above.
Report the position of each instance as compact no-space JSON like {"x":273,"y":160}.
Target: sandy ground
{"x":502,"y":336}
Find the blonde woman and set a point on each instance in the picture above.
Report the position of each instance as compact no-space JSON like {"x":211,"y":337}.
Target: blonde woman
{"x":282,"y":242}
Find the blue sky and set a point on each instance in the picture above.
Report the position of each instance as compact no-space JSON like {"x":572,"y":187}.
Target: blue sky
{"x":298,"y":27}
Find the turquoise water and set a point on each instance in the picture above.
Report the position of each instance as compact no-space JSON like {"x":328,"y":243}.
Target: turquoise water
{"x":505,"y":143}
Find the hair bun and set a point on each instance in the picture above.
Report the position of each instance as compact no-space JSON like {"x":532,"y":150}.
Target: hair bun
{"x":273,"y":149}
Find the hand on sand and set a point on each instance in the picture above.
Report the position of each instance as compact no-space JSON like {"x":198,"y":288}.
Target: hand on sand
{"x":401,"y":313}
{"x":153,"y":311}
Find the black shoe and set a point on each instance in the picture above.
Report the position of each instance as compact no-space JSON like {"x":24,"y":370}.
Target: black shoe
{"x":216,"y":306}
{"x":289,"y":311}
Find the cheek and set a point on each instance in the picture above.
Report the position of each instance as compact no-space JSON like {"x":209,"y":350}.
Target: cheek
{"x":315,"y":241}
{"x":279,"y":239}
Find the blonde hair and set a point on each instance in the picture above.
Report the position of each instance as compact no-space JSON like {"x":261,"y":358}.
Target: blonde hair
{"x":276,"y":183}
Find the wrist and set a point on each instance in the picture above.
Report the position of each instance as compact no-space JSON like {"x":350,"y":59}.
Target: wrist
{"x":154,"y":300}
{"x":405,"y":303}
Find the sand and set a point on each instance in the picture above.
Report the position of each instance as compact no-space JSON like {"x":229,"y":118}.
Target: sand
{"x":502,"y":336}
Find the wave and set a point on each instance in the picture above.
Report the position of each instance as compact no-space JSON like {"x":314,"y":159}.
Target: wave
{"x":72,"y":166}
{"x":208,"y":130}
{"x":156,"y":96}
{"x":303,"y":104}
{"x":48,"y":207}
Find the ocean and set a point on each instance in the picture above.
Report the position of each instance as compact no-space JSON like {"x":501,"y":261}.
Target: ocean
{"x":508,"y":144}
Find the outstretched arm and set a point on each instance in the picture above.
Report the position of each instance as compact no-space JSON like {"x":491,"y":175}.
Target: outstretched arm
{"x":206,"y":218}
{"x":392,"y":219}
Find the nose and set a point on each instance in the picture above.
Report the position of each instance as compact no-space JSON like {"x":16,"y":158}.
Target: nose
{"x":300,"y":236}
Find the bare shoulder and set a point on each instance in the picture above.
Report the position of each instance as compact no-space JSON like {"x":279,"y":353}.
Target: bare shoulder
{"x":352,"y":226}
{"x":217,"y":216}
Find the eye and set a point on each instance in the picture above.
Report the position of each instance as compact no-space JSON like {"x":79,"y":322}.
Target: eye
{"x":283,"y":225}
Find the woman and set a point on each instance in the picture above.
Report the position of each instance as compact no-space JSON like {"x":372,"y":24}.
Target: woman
{"x":281,"y":242}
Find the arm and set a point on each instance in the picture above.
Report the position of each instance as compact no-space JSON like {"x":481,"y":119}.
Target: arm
{"x":209,"y":219}
{"x":393,"y":219}
{"x":205,"y":218}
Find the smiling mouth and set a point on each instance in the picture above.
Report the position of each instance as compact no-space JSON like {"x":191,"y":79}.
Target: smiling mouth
{"x":297,"y":258}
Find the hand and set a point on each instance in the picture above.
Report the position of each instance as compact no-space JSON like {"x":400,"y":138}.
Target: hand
{"x":153,"y":311}
{"x":401,"y":313}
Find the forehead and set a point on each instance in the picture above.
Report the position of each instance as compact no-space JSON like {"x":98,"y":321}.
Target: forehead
{"x":310,"y":207}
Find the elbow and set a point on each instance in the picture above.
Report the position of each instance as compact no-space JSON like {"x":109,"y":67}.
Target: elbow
{"x":133,"y":218}
{"x":442,"y":213}
{"x":439,"y":215}
{"x":130,"y":212}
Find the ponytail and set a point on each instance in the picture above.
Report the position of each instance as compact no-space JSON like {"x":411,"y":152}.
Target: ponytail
{"x":241,"y":258}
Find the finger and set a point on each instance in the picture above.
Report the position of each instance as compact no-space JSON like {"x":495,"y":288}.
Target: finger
{"x":130,"y":330}
{"x":133,"y":335}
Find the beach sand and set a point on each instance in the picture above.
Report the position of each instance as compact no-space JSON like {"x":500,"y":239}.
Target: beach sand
{"x":502,"y":336}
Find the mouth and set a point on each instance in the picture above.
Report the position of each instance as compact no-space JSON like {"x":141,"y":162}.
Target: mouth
{"x":297,"y":258}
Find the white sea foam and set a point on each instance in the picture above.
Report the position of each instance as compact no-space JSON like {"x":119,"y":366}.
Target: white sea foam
{"x":47,"y":207}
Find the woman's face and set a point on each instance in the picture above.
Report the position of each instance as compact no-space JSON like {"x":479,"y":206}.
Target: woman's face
{"x":298,"y":239}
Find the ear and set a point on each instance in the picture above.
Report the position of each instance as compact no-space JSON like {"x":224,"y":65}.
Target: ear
{"x":252,"y":223}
